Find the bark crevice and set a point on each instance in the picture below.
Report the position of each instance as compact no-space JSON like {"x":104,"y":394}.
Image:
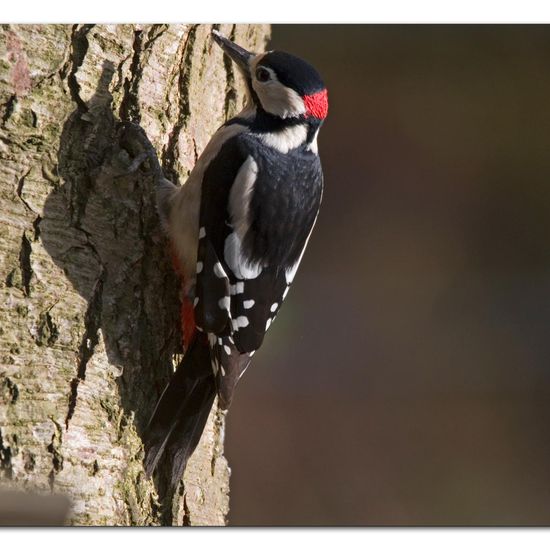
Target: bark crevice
{"x":90,"y":338}
{"x":129,"y":106}
{"x":25,"y":263}
{"x":79,"y":48}
{"x":54,"y":449}
{"x":170,"y":153}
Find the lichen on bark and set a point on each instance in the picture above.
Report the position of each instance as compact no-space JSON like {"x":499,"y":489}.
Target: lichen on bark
{"x":89,"y":301}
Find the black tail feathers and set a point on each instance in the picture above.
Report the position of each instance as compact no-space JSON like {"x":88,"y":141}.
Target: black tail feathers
{"x":181,"y":414}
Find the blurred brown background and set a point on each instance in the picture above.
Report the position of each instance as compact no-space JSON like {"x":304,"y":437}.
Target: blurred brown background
{"x":406,"y":380}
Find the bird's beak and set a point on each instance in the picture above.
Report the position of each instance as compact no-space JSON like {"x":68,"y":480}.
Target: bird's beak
{"x":239,"y":55}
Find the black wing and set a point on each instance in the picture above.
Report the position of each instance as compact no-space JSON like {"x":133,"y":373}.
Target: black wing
{"x":257,"y":210}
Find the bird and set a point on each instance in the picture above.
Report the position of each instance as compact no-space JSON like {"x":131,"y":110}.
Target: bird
{"x":238,"y":227}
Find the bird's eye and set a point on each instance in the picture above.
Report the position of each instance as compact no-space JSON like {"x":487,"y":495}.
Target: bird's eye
{"x":262,"y":74}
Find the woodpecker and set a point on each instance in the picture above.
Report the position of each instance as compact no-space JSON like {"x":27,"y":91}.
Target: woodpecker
{"x":239,"y":227}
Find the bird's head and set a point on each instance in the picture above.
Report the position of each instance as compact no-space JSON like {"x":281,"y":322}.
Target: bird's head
{"x":279,"y":83}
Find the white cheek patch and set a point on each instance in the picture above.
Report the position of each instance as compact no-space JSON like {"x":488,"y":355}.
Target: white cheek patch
{"x":278,"y":99}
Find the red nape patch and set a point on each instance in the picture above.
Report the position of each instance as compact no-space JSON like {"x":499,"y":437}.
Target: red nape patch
{"x":317,"y":104}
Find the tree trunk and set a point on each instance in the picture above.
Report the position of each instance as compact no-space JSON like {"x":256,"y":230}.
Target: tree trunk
{"x":89,"y":329}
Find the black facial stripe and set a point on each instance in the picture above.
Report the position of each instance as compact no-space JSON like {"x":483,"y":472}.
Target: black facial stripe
{"x":267,"y":122}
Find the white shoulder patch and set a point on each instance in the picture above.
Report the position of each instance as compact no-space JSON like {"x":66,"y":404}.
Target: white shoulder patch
{"x":240,"y":195}
{"x":239,"y":215}
{"x":241,"y":267}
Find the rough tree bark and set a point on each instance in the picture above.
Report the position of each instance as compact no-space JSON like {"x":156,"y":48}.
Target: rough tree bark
{"x":88,"y":308}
